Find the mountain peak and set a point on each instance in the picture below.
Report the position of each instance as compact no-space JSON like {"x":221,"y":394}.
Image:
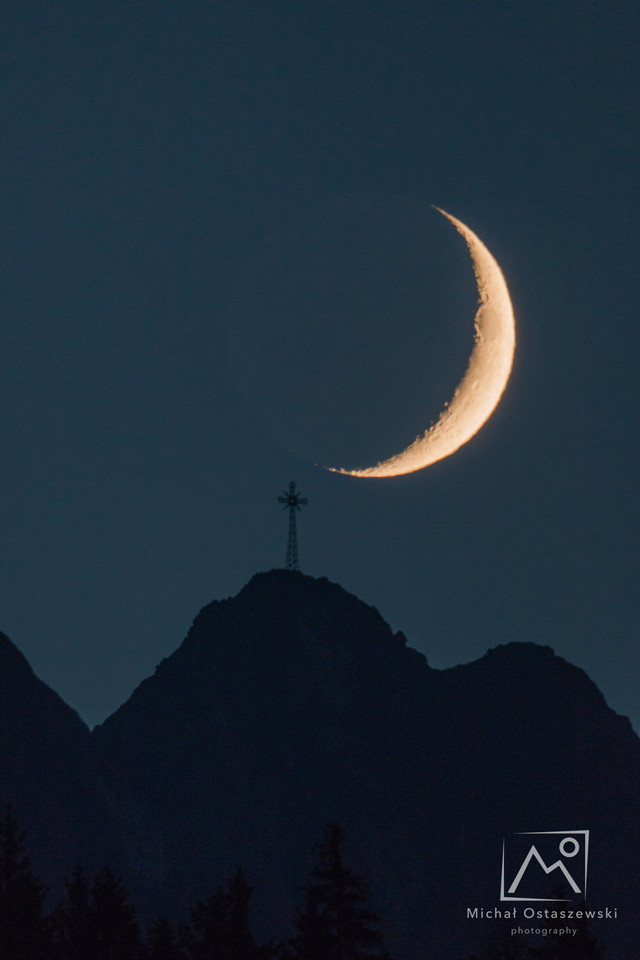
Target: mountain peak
{"x":289,"y":603}
{"x":290,"y":638}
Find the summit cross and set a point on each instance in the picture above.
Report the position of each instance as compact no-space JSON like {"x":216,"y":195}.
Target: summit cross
{"x":292,"y":501}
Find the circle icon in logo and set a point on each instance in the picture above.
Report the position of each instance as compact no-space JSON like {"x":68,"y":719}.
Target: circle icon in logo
{"x":563,"y":847}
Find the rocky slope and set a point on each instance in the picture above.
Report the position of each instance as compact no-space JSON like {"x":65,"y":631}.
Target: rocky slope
{"x":47,"y":775}
{"x":293,"y":705}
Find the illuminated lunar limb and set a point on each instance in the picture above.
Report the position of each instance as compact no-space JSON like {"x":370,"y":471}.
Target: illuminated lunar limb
{"x":483,"y":383}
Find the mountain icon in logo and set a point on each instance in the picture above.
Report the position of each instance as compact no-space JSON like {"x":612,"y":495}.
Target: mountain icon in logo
{"x":561,"y":855}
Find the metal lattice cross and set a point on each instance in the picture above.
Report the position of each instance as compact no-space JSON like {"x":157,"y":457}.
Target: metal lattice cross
{"x":292,"y":501}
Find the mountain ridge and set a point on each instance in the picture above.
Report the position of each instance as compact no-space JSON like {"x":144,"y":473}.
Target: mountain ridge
{"x":294,"y":704}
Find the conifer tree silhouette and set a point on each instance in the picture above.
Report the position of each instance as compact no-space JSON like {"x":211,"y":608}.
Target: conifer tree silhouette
{"x":220,"y":927}
{"x":336,"y":921}
{"x":74,"y":921}
{"x":205,"y":937}
{"x":25,"y":933}
{"x":161,"y":942}
{"x":117,"y":931}
{"x":241,"y":943}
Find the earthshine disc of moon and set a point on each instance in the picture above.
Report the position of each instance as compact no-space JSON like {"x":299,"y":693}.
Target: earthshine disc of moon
{"x":480,"y":389}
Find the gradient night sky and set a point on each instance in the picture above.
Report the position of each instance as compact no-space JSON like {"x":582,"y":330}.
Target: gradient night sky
{"x":221,"y":266}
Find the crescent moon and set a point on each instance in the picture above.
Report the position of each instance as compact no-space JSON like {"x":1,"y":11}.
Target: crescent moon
{"x":483,"y":383}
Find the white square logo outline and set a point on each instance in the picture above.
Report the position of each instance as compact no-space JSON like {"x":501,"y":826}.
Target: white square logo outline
{"x":558,"y":865}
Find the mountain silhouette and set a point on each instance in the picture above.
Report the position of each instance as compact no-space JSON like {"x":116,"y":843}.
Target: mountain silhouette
{"x":294,"y":705}
{"x":47,"y":775}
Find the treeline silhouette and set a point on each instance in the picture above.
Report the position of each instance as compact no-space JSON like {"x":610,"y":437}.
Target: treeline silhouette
{"x":97,"y":921}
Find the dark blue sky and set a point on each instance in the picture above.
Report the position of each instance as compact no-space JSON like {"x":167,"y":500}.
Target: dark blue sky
{"x":221,"y":266}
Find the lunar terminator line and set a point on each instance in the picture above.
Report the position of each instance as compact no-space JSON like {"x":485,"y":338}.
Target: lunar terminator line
{"x":479,"y":391}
